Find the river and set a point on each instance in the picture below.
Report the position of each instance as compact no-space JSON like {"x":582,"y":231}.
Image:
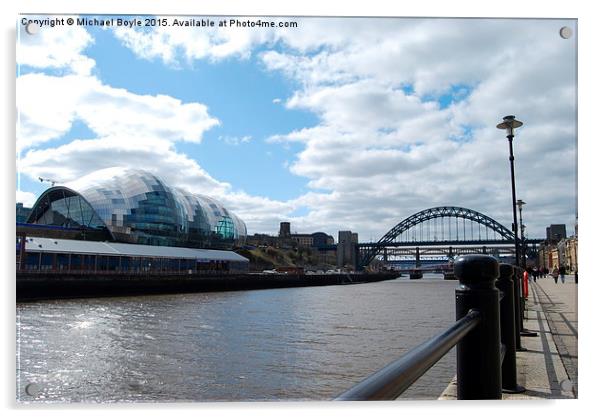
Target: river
{"x":307,"y":343}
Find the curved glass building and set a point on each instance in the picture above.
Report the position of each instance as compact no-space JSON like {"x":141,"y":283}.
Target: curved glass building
{"x":135,"y":206}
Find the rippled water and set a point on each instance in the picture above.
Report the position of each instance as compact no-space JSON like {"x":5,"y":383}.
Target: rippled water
{"x":307,"y":343}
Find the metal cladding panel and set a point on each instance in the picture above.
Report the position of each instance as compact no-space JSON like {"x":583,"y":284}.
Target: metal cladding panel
{"x":138,"y":207}
{"x":132,"y":250}
{"x":137,"y":250}
{"x":68,"y":246}
{"x":220,"y":255}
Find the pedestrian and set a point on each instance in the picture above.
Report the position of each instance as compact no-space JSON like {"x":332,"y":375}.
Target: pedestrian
{"x":555,"y":274}
{"x":535,"y":274}
{"x":562,"y":272}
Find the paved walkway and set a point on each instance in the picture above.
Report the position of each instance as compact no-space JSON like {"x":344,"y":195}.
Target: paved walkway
{"x":547,"y":367}
{"x":558,"y":301}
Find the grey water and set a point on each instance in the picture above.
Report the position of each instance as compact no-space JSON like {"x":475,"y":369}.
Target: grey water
{"x":309,"y":343}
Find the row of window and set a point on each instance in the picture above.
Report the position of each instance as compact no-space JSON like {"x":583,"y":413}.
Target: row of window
{"x":93,"y":262}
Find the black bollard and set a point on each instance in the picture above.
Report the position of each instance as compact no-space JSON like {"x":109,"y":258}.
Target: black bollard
{"x":518,"y":320}
{"x":523,"y":332}
{"x":505,"y":284}
{"x":478,"y":354}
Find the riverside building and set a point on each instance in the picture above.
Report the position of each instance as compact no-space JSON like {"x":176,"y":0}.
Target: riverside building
{"x":130,"y":206}
{"x":137,"y":207}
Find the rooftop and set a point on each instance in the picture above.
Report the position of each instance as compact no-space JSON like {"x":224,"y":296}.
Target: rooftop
{"x":134,"y":250}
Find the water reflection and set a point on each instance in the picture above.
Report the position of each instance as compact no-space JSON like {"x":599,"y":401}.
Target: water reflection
{"x":281,"y":344}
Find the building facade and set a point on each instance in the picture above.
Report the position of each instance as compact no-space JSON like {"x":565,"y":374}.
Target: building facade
{"x":556,"y":232}
{"x":286,"y":239}
{"x":22,"y":213}
{"x":555,"y":254}
{"x":568,"y":249}
{"x":285,"y":230}
{"x":61,"y":255}
{"x":347,"y":250}
{"x":135,"y":206}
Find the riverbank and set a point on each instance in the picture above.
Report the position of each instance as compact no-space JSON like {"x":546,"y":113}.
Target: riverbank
{"x":51,"y":285}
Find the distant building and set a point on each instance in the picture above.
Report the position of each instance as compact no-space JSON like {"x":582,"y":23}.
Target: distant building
{"x":22,"y":213}
{"x":562,"y":253}
{"x":287,"y":240}
{"x":555,"y":232}
{"x":320,"y":239}
{"x":263,"y":240}
{"x":285,"y":230}
{"x":303,"y":240}
{"x":347,"y":252}
{"x":567,"y":253}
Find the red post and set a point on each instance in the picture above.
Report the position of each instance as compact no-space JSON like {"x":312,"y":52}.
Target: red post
{"x":526,"y":284}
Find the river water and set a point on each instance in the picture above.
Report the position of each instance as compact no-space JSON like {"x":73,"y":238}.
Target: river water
{"x":307,"y":343}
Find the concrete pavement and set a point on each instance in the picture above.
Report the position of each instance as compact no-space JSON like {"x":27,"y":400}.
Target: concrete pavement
{"x":558,"y":301}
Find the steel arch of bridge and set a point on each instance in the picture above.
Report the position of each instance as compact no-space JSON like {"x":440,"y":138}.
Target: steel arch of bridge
{"x":432,"y":213}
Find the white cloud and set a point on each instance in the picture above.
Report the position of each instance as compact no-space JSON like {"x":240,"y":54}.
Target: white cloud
{"x":48,"y":106}
{"x":71,"y":162}
{"x":385,"y":152}
{"x":27,"y":198}
{"x":58,"y":48}
{"x":235,"y":140}
{"x":176,"y":46}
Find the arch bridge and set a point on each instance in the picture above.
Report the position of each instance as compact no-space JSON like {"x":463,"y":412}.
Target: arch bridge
{"x":443,"y":231}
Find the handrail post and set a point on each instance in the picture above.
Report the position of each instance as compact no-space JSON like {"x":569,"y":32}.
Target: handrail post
{"x":478,"y":353}
{"x":505,"y":284}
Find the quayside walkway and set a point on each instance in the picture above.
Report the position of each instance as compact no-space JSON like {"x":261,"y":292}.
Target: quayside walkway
{"x":547,"y":367}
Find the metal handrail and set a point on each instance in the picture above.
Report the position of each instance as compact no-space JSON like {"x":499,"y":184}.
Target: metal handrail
{"x":391,"y":381}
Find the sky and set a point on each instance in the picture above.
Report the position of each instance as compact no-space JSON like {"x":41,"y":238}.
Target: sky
{"x":336,"y":124}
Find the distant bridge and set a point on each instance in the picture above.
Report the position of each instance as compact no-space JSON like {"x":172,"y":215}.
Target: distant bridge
{"x":443,"y":231}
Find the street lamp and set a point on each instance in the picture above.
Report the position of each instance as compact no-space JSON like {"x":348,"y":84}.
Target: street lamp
{"x":520,"y":203}
{"x":509,"y":124}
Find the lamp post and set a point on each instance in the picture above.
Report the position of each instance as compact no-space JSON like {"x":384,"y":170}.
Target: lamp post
{"x":520,"y":203}
{"x":509,"y":124}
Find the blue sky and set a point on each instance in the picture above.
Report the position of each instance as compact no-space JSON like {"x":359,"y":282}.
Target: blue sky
{"x":330,"y":126}
{"x":240,"y":93}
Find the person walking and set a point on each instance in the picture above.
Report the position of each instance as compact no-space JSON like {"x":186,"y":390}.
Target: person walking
{"x":555,"y":274}
{"x":562,"y":272}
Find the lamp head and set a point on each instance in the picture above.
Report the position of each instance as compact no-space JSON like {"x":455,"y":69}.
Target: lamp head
{"x":509,"y":123}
